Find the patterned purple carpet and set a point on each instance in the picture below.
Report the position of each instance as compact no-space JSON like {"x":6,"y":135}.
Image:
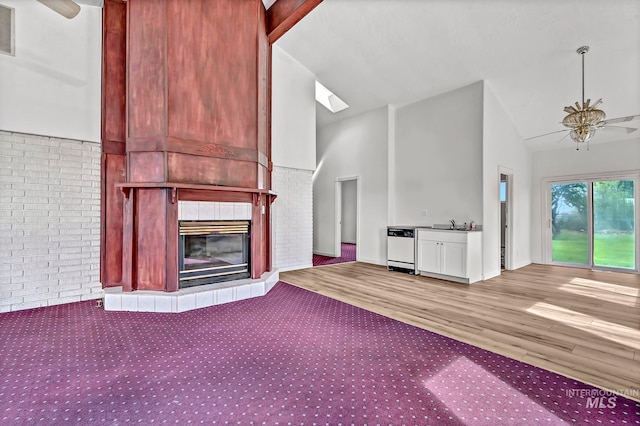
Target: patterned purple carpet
{"x":291,"y":357}
{"x":348,"y":255}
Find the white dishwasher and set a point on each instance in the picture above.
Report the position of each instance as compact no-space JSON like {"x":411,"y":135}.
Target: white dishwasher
{"x":401,"y":248}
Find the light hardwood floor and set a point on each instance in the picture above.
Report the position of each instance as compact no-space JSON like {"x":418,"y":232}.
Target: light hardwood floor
{"x":579,"y":323}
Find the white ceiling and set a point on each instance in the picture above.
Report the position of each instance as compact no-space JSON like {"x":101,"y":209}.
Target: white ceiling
{"x":377,"y":52}
{"x":268,"y":3}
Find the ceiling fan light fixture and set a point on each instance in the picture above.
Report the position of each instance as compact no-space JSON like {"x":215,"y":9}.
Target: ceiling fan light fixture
{"x":588,"y":117}
{"x":584,"y":118}
{"x":582,"y":134}
{"x":67,"y":8}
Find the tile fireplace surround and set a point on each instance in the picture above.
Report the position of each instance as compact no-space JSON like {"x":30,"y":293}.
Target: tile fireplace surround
{"x":188,"y":299}
{"x":115,"y":299}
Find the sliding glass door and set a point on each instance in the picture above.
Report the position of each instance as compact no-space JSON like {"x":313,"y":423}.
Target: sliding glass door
{"x":593,"y":223}
{"x":614,"y":224}
{"x":569,"y":223}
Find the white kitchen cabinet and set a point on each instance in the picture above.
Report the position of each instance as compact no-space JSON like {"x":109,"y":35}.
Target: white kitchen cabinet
{"x":428,"y":255}
{"x":452,"y":255}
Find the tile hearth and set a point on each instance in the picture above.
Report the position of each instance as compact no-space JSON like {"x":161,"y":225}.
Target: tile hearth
{"x":188,"y":299}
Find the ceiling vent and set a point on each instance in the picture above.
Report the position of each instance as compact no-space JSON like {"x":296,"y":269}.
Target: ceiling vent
{"x":7,"y":27}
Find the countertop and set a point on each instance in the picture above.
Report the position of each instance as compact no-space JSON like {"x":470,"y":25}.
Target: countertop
{"x":431,"y":228}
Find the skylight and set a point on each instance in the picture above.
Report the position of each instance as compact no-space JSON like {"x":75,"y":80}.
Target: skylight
{"x":327,"y":98}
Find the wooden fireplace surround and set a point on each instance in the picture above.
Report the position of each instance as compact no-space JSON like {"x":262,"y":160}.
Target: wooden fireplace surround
{"x":185,"y":116}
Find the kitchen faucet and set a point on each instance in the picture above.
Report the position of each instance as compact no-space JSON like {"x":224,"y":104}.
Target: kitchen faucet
{"x":453,"y":224}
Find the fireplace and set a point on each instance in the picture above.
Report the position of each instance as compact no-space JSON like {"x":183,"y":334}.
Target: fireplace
{"x":212,"y":251}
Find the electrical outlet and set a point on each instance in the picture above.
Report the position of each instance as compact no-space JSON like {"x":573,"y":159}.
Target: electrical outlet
{"x":424,"y":212}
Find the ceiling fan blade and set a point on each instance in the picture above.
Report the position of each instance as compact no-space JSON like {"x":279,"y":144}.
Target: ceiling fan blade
{"x":621,"y":119}
{"x":620,"y":128}
{"x":67,"y":8}
{"x":546,"y":134}
{"x":563,"y":138}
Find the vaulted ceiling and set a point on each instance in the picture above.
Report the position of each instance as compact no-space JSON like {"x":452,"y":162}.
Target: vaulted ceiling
{"x":377,"y":52}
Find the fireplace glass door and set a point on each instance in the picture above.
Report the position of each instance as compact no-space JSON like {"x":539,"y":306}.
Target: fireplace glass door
{"x":213,"y":251}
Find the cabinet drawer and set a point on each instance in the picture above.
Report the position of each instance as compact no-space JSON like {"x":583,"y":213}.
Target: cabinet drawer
{"x":444,"y":236}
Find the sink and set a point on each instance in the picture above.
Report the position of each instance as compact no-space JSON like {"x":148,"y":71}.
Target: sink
{"x":447,"y":227}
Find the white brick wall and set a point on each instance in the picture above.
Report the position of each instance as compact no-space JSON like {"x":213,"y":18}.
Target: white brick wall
{"x":49,"y":221}
{"x":292,"y":218}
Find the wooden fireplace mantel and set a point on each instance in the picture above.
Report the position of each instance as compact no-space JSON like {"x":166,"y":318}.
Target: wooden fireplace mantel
{"x":126,"y":187}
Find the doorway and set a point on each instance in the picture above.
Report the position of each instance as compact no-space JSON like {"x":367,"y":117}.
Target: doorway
{"x":506,"y":228}
{"x":346,"y":221}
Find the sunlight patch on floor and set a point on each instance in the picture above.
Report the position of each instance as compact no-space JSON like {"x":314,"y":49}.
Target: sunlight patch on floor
{"x":463,"y":384}
{"x":610,"y":292}
{"x":605,"y":286}
{"x":613,"y":332}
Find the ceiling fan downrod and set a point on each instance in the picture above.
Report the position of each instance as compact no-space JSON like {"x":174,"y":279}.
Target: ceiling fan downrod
{"x":582,"y":50}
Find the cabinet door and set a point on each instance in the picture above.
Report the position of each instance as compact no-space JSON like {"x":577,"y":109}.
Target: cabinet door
{"x":428,"y":256}
{"x":454,"y":259}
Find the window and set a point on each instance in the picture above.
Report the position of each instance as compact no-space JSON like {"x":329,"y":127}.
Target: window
{"x":7,"y":30}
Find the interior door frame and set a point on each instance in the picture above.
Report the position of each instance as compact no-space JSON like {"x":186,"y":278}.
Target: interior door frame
{"x":508,"y":235}
{"x":546,"y":236}
{"x":337,"y":247}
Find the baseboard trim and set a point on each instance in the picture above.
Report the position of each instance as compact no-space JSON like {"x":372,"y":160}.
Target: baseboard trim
{"x":321,"y":253}
{"x":294,"y":267}
{"x":522,"y":264}
{"x":371,"y":261}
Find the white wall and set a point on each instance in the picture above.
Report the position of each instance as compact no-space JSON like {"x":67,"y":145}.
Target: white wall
{"x":49,"y":221}
{"x":601,"y":158}
{"x":293,"y":112}
{"x":438,"y":159}
{"x":349,"y":211}
{"x":50,"y":185}
{"x":354,"y":147}
{"x":52,"y":85}
{"x":293,"y":139}
{"x":504,"y":147}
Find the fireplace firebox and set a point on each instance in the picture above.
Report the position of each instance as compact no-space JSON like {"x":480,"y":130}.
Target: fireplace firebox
{"x":213,"y":251}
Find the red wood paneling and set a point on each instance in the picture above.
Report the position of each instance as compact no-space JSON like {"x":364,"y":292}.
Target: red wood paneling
{"x":113,"y":141}
{"x":184,"y":168}
{"x":212,"y":71}
{"x":129,"y":246}
{"x":113,"y":167}
{"x":146,"y":89}
{"x":151,"y":241}
{"x":257,"y":243}
{"x":211,"y":149}
{"x":284,"y":14}
{"x":188,"y":89}
{"x":264,"y":100}
{"x":147,"y":144}
{"x":147,"y":167}
{"x":230,"y":197}
{"x":171,"y":277}
{"x":114,"y":17}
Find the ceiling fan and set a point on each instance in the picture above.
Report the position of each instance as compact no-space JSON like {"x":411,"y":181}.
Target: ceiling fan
{"x":67,"y":8}
{"x":584,"y":119}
